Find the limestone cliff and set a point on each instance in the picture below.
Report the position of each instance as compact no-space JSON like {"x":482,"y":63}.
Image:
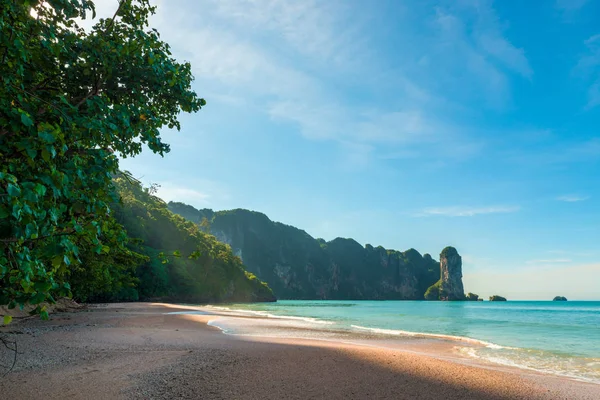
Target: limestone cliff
{"x":298,"y":266}
{"x":449,"y":286}
{"x":451,"y":275}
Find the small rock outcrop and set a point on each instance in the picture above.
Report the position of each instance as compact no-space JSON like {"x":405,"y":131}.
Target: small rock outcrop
{"x":472,"y":297}
{"x":497,"y":298}
{"x":559,"y":298}
{"x":451,"y":287}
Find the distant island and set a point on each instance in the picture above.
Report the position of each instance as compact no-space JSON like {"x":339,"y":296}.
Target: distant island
{"x":297,"y":266}
{"x":472,"y":297}
{"x":497,"y":298}
{"x":559,"y":298}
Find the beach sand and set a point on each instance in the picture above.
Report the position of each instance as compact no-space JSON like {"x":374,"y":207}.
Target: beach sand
{"x":136,"y":350}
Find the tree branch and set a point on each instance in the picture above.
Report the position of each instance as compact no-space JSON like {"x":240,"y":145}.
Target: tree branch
{"x":14,"y":240}
{"x":112,"y":20}
{"x":42,"y":100}
{"x":96,"y":89}
{"x":14,"y":349}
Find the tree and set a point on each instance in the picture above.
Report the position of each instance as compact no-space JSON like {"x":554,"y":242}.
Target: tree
{"x":71,"y":103}
{"x":434,"y":292}
{"x":205,"y":225}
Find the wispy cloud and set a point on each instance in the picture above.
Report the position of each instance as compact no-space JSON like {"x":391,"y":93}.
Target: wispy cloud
{"x":570,"y":5}
{"x":300,"y":62}
{"x":550,"y":261}
{"x":297,"y":63}
{"x":472,"y":37}
{"x":313,"y":28}
{"x":201,"y":193}
{"x":587,"y":67}
{"x":557,"y":152}
{"x":458,"y":211}
{"x":512,"y":57}
{"x":572,"y":198}
{"x":572,"y":253}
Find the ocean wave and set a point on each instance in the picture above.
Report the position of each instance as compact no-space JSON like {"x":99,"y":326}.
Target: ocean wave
{"x":265,"y":314}
{"x":463,"y":339}
{"x":520,"y":358}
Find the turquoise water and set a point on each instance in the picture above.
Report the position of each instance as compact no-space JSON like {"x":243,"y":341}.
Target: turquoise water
{"x":556,"y":337}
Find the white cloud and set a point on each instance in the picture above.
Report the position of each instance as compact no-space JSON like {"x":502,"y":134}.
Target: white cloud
{"x":573,"y":253}
{"x":594,"y":95}
{"x":471,"y":37}
{"x":570,"y":5}
{"x":294,"y":61}
{"x":206,"y":194}
{"x":572,"y":198}
{"x":458,"y":211}
{"x":508,"y":54}
{"x":587,"y":68}
{"x":316,"y":29}
{"x":550,"y":261}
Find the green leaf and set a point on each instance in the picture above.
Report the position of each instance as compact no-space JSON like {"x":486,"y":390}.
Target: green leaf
{"x":47,"y":137}
{"x":13,"y":190}
{"x":45,"y":155}
{"x":7,"y":319}
{"x":25,"y":119}
{"x":40,"y":189}
{"x":31,"y":152}
{"x":42,"y":286}
{"x":37,"y":298}
{"x":57,"y":261}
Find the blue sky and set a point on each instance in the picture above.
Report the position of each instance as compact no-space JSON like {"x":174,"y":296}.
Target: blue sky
{"x":402,"y":123}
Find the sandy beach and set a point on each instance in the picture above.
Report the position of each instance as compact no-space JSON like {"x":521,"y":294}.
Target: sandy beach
{"x":138,"y":350}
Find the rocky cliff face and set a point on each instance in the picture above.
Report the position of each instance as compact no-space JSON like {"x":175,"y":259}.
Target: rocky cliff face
{"x":298,"y":266}
{"x":451,"y":275}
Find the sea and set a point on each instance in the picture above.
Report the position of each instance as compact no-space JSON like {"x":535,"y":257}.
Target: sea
{"x":561,"y":338}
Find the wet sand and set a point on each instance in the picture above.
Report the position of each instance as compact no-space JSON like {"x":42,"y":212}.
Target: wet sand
{"x":137,"y":350}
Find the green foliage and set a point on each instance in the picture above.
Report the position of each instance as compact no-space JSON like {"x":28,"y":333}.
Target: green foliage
{"x":205,"y":225}
{"x":559,"y":298}
{"x":497,"y":298}
{"x":434,"y":292}
{"x":194,"y":266}
{"x":448,"y":251}
{"x":71,"y":103}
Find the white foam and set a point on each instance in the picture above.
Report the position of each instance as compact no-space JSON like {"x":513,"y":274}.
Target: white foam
{"x":265,"y":314}
{"x":537,"y":365}
{"x":430,"y":335}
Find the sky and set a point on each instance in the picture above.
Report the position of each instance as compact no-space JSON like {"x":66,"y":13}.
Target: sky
{"x":399,"y":123}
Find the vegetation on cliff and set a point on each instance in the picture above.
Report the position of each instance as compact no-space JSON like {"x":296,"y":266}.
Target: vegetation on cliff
{"x":497,"y":298}
{"x":559,"y":298}
{"x":169,"y":259}
{"x":298,"y":266}
{"x":434,"y":292}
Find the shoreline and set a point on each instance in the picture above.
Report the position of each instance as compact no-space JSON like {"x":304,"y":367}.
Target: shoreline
{"x":141,"y":350}
{"x":452,"y":348}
